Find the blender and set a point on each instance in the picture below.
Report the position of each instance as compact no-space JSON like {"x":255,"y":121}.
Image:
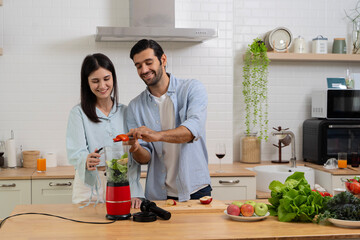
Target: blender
{"x":118,"y":197}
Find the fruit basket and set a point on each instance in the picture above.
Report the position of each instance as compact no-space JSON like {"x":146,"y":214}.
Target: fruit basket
{"x":352,"y":185}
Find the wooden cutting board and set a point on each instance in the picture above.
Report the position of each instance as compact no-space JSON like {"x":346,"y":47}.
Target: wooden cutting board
{"x":193,"y":206}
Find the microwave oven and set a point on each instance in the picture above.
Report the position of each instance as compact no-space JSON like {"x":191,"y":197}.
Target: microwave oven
{"x":336,"y":104}
{"x":324,"y":139}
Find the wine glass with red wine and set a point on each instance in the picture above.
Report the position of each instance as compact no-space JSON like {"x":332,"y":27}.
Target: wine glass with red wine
{"x":220,"y":152}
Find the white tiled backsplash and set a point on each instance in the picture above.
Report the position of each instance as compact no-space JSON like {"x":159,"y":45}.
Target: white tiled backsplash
{"x":45,"y":42}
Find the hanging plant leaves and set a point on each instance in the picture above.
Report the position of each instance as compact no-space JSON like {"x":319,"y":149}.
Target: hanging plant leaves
{"x":255,"y":88}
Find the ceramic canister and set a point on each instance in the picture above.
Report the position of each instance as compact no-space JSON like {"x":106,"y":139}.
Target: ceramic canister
{"x":299,"y":45}
{"x":339,"y":46}
{"x":319,"y":45}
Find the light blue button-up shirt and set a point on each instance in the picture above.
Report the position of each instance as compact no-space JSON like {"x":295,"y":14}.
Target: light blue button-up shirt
{"x":84,"y":136}
{"x":190,"y":106}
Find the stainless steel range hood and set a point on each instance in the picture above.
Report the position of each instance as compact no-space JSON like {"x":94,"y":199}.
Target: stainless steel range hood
{"x":153,"y":19}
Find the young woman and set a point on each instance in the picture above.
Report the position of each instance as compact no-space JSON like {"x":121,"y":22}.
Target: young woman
{"x":93,"y":124}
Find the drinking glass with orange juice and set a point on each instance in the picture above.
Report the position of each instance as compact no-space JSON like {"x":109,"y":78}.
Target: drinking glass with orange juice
{"x":342,"y":160}
{"x":41,"y":164}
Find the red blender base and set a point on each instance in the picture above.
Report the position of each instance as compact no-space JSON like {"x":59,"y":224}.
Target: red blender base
{"x":118,"y":201}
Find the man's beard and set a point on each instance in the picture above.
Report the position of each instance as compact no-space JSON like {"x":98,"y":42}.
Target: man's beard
{"x":156,"y":79}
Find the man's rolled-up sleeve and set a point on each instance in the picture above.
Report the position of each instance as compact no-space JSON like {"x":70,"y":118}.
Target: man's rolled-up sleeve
{"x":196,"y":109}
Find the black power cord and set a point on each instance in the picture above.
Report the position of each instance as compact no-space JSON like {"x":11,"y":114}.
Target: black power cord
{"x":51,"y":215}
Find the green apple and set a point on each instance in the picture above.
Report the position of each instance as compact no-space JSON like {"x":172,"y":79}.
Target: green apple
{"x":237,"y":203}
{"x":252,"y":203}
{"x":261,"y":209}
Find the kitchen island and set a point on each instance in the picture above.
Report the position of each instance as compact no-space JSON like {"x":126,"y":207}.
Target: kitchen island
{"x":200,"y":224}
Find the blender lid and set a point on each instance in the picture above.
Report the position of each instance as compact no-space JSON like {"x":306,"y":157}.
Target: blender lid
{"x":144,"y":217}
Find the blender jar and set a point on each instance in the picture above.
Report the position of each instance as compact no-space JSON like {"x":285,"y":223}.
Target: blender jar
{"x":118,"y":197}
{"x":116,"y":158}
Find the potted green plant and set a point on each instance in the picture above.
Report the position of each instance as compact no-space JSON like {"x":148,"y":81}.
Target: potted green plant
{"x":255,"y":91}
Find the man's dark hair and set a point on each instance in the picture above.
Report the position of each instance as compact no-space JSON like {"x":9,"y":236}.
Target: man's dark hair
{"x":145,"y":44}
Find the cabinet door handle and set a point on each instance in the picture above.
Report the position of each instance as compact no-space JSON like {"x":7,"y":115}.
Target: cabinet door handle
{"x":8,"y":185}
{"x":51,"y":184}
{"x":229,"y":181}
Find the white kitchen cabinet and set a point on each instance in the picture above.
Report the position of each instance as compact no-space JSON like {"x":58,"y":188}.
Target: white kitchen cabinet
{"x":228,"y":188}
{"x":233,"y":188}
{"x":12,"y":193}
{"x":51,"y":191}
{"x":330,"y":181}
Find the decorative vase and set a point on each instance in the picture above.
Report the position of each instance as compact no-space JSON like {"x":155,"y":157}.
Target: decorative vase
{"x":250,"y":150}
{"x":356,"y":37}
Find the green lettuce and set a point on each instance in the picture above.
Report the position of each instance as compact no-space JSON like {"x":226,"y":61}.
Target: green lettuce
{"x":117,"y":169}
{"x":294,"y":201}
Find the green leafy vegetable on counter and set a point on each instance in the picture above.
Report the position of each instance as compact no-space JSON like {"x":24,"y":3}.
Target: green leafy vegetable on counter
{"x":344,"y":206}
{"x":117,"y":169}
{"x":293,"y":200}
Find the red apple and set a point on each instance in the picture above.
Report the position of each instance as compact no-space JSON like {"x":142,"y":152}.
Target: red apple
{"x":206,"y":200}
{"x":233,"y":210}
{"x":247,"y":210}
{"x":170,"y":202}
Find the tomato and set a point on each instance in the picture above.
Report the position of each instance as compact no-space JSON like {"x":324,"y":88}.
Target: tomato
{"x":121,"y":137}
{"x":354,"y":187}
{"x":327,"y":194}
{"x":323,"y":194}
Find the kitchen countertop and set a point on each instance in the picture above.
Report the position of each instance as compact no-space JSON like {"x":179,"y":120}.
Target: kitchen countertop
{"x":16,"y":173}
{"x":196,"y":225}
{"x":346,"y":171}
{"x":230,"y":170}
{"x":67,"y":172}
{"x":235,"y":169}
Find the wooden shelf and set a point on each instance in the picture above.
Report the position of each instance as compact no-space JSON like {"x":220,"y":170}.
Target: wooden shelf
{"x":313,"y":57}
{"x":1,"y":2}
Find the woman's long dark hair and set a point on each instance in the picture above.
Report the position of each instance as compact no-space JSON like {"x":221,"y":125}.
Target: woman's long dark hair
{"x":90,"y":64}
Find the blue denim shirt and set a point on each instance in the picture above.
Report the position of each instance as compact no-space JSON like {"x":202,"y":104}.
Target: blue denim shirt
{"x":84,"y":136}
{"x":190,"y":106}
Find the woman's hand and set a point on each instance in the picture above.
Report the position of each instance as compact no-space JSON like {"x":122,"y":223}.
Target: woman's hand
{"x":92,"y":160}
{"x":135,"y":202}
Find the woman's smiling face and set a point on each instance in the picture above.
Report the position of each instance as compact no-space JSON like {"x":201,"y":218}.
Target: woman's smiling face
{"x":101,"y":83}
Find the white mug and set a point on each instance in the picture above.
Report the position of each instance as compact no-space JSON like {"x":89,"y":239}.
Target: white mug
{"x":299,"y":45}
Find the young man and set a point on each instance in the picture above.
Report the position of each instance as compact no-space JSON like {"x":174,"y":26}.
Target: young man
{"x":167,"y":121}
